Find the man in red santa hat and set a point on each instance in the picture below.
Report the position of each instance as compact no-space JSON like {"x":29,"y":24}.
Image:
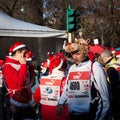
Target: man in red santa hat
{"x":15,"y":69}
{"x":48,"y":92}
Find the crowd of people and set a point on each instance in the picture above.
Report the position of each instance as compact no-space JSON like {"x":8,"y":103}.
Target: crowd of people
{"x":84,"y":88}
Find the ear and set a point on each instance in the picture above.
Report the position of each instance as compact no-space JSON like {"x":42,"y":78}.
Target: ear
{"x":104,"y":59}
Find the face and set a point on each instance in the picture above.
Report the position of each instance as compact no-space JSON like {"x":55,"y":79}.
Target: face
{"x":104,"y":59}
{"x":79,"y":57}
{"x":21,"y":54}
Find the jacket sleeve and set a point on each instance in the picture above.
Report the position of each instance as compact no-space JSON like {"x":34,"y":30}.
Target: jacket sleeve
{"x":62,"y":85}
{"x":36,"y":95}
{"x":63,"y":97}
{"x":102,"y":87}
{"x":13,"y":76}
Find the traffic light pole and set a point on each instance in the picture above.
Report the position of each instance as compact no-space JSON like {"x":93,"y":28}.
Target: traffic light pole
{"x":69,"y":38}
{"x":72,"y":22}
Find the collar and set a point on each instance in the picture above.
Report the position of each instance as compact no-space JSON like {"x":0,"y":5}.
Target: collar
{"x":11,"y":60}
{"x":83,"y":63}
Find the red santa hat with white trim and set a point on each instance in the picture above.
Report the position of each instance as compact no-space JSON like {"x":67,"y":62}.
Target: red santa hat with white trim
{"x":117,"y":54}
{"x":56,"y":62}
{"x":29,"y":56}
{"x":112,"y":50}
{"x":16,"y":46}
{"x":21,"y":98}
{"x":44,"y":67}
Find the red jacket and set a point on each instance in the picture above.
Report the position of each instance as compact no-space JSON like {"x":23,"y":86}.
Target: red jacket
{"x":15,"y":74}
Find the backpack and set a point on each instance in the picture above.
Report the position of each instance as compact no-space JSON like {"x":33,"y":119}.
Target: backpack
{"x":116,"y":66}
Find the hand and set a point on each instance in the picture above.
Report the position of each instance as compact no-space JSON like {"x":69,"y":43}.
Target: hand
{"x":59,"y":109}
{"x":22,"y":60}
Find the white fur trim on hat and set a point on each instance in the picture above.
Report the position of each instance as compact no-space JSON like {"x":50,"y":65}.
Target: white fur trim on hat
{"x":18,"y":47}
{"x":57,"y":73}
{"x":113,"y":51}
{"x":117,"y":56}
{"x":59,"y":66}
{"x":10,"y":53}
{"x":28,"y":59}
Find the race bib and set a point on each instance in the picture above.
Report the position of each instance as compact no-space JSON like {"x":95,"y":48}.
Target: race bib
{"x":50,"y":91}
{"x":79,"y":87}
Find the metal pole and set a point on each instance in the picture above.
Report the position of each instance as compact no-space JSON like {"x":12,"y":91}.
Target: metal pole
{"x":69,"y":38}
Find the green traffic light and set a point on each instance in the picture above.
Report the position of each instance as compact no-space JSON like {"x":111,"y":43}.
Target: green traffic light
{"x":77,"y":13}
{"x":72,"y":19}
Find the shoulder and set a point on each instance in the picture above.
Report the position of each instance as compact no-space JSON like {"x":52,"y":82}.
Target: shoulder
{"x":97,"y":65}
{"x":72,"y":66}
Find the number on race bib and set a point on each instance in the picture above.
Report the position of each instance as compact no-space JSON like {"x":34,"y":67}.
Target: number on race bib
{"x":75,"y":85}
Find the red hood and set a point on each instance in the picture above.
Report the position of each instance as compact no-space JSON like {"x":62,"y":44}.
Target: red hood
{"x":11,"y":60}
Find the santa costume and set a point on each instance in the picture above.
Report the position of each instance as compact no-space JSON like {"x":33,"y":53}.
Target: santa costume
{"x":20,"y":105}
{"x":16,"y":75}
{"x":50,"y":88}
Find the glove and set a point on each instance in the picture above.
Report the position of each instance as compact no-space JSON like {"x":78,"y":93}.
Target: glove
{"x":59,"y":109}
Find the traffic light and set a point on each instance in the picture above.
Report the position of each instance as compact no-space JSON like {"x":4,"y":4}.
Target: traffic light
{"x":72,"y":19}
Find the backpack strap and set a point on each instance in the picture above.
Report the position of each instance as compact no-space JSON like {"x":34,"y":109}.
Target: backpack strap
{"x":96,"y":98}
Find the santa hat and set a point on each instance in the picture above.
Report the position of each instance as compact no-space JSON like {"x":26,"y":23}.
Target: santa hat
{"x":56,"y":62}
{"x":21,"y":98}
{"x":44,"y":64}
{"x":1,"y":62}
{"x":112,"y":50}
{"x":117,"y":54}
{"x":44,"y":67}
{"x":16,"y":46}
{"x":29,"y":56}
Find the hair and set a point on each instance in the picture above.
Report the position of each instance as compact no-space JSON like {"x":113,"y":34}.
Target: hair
{"x":84,"y":48}
{"x":106,"y":53}
{"x":14,"y":52}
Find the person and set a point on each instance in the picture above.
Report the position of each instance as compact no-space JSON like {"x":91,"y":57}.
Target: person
{"x":32,"y":66}
{"x":15,"y":69}
{"x":15,"y":72}
{"x":50,"y":88}
{"x":112,"y":68}
{"x":86,"y":90}
{"x":21,"y":107}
